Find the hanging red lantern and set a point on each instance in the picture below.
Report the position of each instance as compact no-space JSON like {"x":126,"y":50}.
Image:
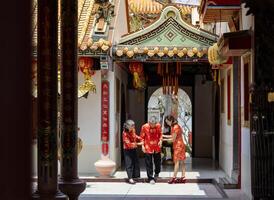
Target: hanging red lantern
{"x":85,"y":64}
{"x":137,"y":70}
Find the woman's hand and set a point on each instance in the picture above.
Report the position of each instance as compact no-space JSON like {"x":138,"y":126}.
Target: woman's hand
{"x":160,"y":143}
{"x":143,"y":149}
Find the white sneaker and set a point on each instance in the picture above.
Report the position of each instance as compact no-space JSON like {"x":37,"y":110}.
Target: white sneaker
{"x":131,"y":181}
{"x":152,"y":182}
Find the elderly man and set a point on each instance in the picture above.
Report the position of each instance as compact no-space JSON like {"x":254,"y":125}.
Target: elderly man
{"x":151,"y":136}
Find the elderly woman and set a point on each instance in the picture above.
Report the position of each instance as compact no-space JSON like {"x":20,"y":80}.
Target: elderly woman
{"x":179,"y":154}
{"x":130,"y":151}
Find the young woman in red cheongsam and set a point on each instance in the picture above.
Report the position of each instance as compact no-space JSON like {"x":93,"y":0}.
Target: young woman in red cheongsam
{"x":179,"y":154}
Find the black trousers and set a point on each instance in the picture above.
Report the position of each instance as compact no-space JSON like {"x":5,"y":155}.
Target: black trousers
{"x":149,"y":164}
{"x":132,"y":163}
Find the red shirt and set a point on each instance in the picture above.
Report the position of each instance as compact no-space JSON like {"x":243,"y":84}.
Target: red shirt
{"x":151,"y":138}
{"x":130,"y":139}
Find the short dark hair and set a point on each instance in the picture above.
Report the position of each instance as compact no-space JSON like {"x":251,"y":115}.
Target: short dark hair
{"x":170,"y":118}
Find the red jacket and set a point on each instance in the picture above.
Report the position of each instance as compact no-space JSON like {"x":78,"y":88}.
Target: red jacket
{"x":130,"y":140}
{"x":151,"y":138}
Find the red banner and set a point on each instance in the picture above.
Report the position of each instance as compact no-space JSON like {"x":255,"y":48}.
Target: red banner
{"x":105,"y":149}
{"x":105,"y":112}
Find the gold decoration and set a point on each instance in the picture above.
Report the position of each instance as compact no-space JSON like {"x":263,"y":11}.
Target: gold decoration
{"x":195,"y":50}
{"x":119,"y":52}
{"x":125,"y":50}
{"x":165,"y":50}
{"x":87,"y":86}
{"x":100,"y":42}
{"x":105,"y":47}
{"x":150,"y":53}
{"x":185,"y":50}
{"x":181,"y":54}
{"x":270,"y":97}
{"x":160,"y":54}
{"x":140,"y":51}
{"x":170,"y":53}
{"x":156,"y":50}
{"x":135,"y":50}
{"x":190,"y":53}
{"x":205,"y":50}
{"x":94,"y":47}
{"x":89,"y":43}
{"x":175,"y":50}
{"x":214,"y":57}
{"x":200,"y":54}
{"x":130,"y":54}
{"x":83,"y":47}
{"x":145,"y":50}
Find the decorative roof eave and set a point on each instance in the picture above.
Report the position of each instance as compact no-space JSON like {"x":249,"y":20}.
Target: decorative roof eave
{"x":165,"y":16}
{"x":218,"y":10}
{"x":125,"y":53}
{"x":235,"y":43}
{"x":91,"y":49}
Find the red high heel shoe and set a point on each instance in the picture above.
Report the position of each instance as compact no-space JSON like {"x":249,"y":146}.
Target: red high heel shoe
{"x":181,"y":180}
{"x":172,"y":180}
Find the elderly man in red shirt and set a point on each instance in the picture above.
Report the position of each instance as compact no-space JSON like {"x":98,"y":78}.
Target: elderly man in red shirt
{"x":151,"y":136}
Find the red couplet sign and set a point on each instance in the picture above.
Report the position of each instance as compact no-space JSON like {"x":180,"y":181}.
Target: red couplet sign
{"x":105,"y":112}
{"x":105,"y":149}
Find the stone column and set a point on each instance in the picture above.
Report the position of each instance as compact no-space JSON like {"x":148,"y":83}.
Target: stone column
{"x":69,"y":183}
{"x":47,"y":101}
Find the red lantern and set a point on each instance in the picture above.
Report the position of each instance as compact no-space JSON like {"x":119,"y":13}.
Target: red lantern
{"x":136,"y":67}
{"x":85,"y":64}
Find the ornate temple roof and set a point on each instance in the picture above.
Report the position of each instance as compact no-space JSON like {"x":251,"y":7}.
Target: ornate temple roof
{"x":142,"y":13}
{"x":170,"y":37}
{"x":153,"y":7}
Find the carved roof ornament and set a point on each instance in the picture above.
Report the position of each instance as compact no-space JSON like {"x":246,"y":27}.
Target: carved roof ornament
{"x":104,"y":14}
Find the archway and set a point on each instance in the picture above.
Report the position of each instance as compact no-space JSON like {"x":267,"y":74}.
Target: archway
{"x":180,"y":106}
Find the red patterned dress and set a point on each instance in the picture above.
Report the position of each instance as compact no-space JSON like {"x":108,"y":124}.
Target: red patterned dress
{"x":178,"y":144}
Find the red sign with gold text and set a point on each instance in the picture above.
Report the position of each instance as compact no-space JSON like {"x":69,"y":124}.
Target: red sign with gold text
{"x":105,"y":149}
{"x":105,"y":112}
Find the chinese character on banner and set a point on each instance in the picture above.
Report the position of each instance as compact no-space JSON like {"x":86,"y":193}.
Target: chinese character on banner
{"x":105,"y":112}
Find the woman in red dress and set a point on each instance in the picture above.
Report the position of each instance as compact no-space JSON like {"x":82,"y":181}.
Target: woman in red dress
{"x":179,"y":154}
{"x":130,"y":151}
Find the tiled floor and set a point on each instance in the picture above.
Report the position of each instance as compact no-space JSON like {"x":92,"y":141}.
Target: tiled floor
{"x":197,"y":169}
{"x":160,"y":191}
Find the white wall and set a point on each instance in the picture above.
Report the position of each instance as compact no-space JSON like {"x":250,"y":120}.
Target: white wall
{"x":204,"y":129}
{"x":226,"y":131}
{"x":89,"y":122}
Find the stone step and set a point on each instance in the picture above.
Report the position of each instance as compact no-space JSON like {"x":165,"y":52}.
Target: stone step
{"x":227,"y":183}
